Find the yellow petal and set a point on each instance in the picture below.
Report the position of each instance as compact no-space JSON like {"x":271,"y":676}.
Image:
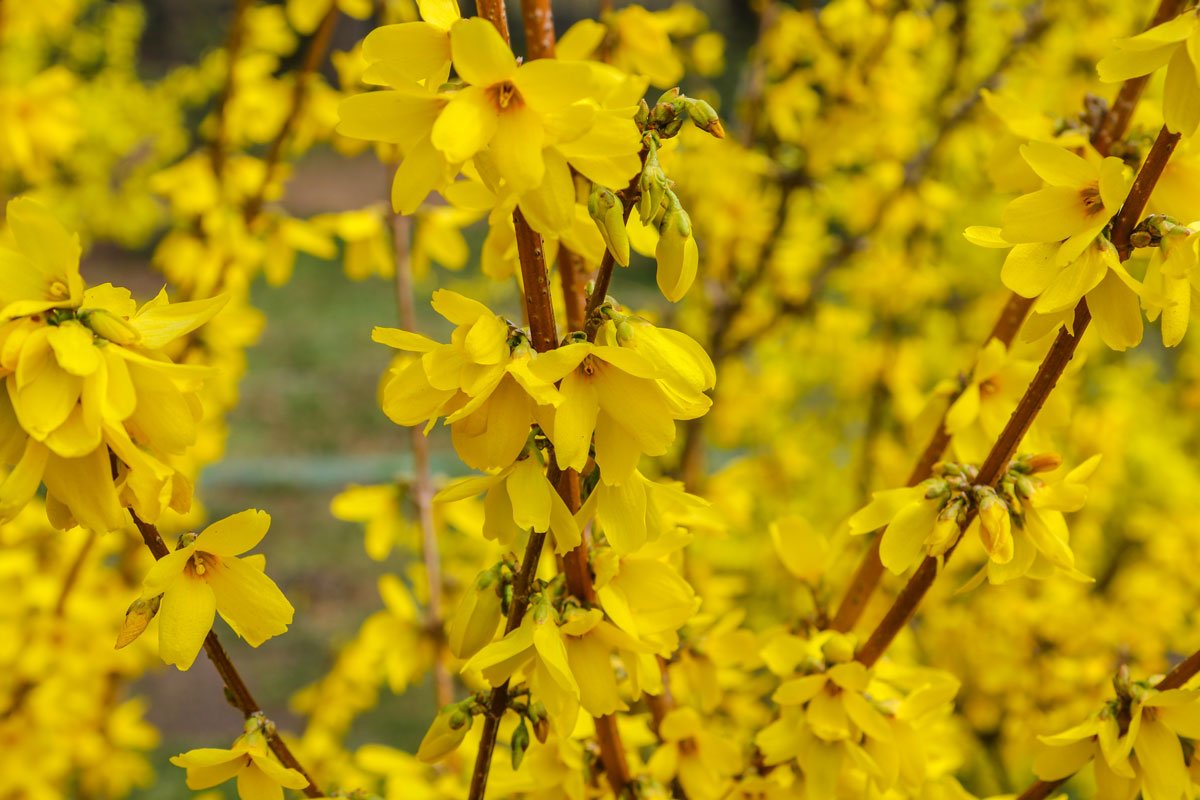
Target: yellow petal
{"x":465,"y":126}
{"x":184,"y":619}
{"x":1056,"y":165}
{"x":1117,"y":314}
{"x":1181,"y":94}
{"x":529,"y":492}
{"x":1047,"y":215}
{"x":234,"y":534}
{"x":1029,"y":268}
{"x":903,"y":541}
{"x":249,"y":601}
{"x":481,"y":58}
{"x":160,"y":322}
{"x":517,"y":148}
{"x":74,"y":348}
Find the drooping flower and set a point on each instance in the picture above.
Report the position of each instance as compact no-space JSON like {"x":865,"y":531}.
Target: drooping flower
{"x":259,"y":774}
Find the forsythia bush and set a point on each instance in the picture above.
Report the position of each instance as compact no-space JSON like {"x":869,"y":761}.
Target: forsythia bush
{"x":887,"y":489}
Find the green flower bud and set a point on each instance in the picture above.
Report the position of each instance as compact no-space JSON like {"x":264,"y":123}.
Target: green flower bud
{"x":705,"y":117}
{"x":519,"y":743}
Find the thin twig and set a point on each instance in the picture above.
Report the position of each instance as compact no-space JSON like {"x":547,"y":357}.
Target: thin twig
{"x":421,"y":487}
{"x":318,"y":45}
{"x":238,"y":692}
{"x":233,"y":49}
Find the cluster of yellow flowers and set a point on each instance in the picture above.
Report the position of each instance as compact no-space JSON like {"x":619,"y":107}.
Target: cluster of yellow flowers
{"x":657,"y":584}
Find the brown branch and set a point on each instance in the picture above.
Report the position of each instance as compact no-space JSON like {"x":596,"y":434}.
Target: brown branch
{"x":318,"y":45}
{"x":1031,"y":402}
{"x":237,"y":691}
{"x":571,"y":270}
{"x":543,"y":333}
{"x":233,"y":49}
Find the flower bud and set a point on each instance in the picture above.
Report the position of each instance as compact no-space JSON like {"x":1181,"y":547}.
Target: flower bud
{"x":109,"y":326}
{"x":608,"y":213}
{"x":475,"y":620}
{"x":995,"y":528}
{"x":654,"y":187}
{"x":678,"y":258}
{"x":541,"y":720}
{"x":945,"y":532}
{"x":137,"y":617}
{"x":519,"y":743}
{"x":443,"y":737}
{"x":705,"y":117}
{"x":838,"y":649}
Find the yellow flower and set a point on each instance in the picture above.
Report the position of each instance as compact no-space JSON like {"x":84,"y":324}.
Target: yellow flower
{"x":537,"y":648}
{"x":1025,"y":534}
{"x":1173,"y":267}
{"x":645,"y":597}
{"x":917,"y":521}
{"x":259,"y":774}
{"x":1176,"y":44}
{"x":474,"y":622}
{"x":1134,"y":740}
{"x":629,"y":397}
{"x":703,"y":761}
{"x":205,"y":577}
{"x":520,"y":496}
{"x":483,"y":374}
{"x":39,"y":262}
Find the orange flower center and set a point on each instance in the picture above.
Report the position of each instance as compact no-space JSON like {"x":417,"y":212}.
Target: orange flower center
{"x":505,"y":95}
{"x":201,"y":564}
{"x":1090,"y":196}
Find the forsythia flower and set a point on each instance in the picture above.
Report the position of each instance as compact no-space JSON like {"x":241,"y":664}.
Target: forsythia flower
{"x":1170,"y":280}
{"x":628,"y":396}
{"x":484,"y":374}
{"x":1173,"y":43}
{"x":1023,"y":530}
{"x":1059,"y":256}
{"x":259,"y":774}
{"x":205,"y":577}
{"x":519,"y":495}
{"x":538,"y":648}
{"x":520,"y":125}
{"x":1134,"y":741}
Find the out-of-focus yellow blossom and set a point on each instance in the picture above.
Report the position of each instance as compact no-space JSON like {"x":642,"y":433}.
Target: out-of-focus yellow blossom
{"x":702,"y":760}
{"x":205,"y":577}
{"x":259,"y":774}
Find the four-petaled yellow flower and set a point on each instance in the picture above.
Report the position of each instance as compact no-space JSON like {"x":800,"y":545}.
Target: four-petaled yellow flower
{"x":1175,"y":43}
{"x":259,"y":774}
{"x":205,"y":577}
